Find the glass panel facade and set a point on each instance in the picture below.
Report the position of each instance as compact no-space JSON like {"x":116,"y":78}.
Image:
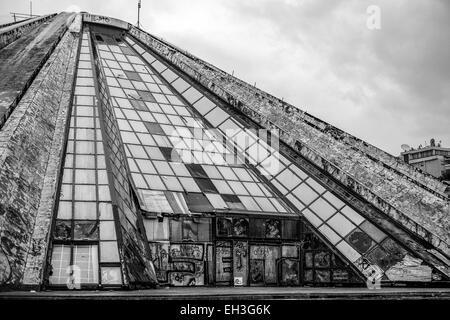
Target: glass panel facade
{"x":157,"y":172}
{"x":85,"y":216}
{"x":353,"y":236}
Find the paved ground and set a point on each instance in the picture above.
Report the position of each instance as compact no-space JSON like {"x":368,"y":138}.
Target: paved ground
{"x":227,"y":293}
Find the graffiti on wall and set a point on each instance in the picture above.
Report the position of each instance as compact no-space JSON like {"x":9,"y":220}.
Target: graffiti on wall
{"x":179,"y":264}
{"x":224,"y":269}
{"x":240,"y":262}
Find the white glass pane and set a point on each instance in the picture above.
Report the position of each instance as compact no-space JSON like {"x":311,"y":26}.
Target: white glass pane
{"x":352,"y":215}
{"x":305,"y":194}
{"x":107,"y":230}
{"x":311,"y":217}
{"x":348,"y":251}
{"x":65,"y":210}
{"x":60,"y":263}
{"x":341,"y":225}
{"x":111,"y":275}
{"x":330,"y":234}
{"x":109,"y":251}
{"x":85,"y":211}
{"x":322,"y":208}
{"x":86,"y":259}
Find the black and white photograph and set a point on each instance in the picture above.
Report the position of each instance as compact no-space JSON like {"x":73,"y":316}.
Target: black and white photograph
{"x":224,"y":159}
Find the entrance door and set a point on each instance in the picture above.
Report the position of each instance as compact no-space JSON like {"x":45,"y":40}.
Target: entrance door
{"x":223,"y":263}
{"x":240,"y":263}
{"x":264,"y":262}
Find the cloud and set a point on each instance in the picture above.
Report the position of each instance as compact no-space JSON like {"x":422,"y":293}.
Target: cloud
{"x":388,"y":86}
{"x":73,"y":8}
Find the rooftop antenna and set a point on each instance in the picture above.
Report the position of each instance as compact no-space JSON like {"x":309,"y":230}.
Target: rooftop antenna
{"x":31,"y":9}
{"x":139,"y":12}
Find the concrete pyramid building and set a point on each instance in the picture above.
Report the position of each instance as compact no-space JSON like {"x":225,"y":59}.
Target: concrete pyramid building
{"x":127,"y":162}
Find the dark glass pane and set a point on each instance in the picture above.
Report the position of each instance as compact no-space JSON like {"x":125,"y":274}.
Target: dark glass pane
{"x":146,"y":96}
{"x":382,"y":258}
{"x":290,"y":229}
{"x":127,"y":51}
{"x":206,"y":185}
{"x":240,"y":227}
{"x":63,"y":230}
{"x":224,"y":227}
{"x":175,"y":230}
{"x":257,"y":228}
{"x":289,"y":272}
{"x":360,"y":241}
{"x":138,"y":105}
{"x":308,"y":259}
{"x":204,"y":229}
{"x":196,"y":170}
{"x":197,"y":202}
{"x":308,"y":277}
{"x":323,"y":276}
{"x":190,"y":230}
{"x":337,"y":262}
{"x":321,"y":260}
{"x":86,"y":230}
{"x":170,"y":154}
{"x":154,"y":128}
{"x":256,"y":271}
{"x":233,"y":201}
{"x":133,"y":75}
{"x":272,"y":229}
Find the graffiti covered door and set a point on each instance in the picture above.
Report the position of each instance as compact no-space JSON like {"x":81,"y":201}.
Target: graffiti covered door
{"x":289,"y":265}
{"x":272,"y":256}
{"x":187,"y":264}
{"x":223,"y":263}
{"x":257,"y":265}
{"x":240,"y":263}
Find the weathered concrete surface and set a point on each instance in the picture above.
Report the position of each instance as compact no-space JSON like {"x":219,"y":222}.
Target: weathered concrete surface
{"x":39,"y":242}
{"x":29,"y":142}
{"x":12,"y":31}
{"x":413,"y":199}
{"x":4,"y":25}
{"x":20,"y":61}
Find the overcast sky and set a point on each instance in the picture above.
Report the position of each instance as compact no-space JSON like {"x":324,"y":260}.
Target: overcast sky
{"x":388,"y":86}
